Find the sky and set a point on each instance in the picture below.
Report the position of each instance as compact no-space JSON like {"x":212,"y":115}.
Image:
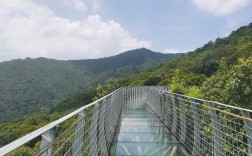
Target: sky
{"x":84,"y":29}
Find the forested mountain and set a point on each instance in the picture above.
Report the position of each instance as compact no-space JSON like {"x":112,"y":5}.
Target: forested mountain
{"x":139,"y":57}
{"x":29,"y":85}
{"x":219,"y":71}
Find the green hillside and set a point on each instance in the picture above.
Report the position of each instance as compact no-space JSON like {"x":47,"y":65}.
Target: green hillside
{"x":219,"y":71}
{"x":30,"y":85}
{"x":138,"y":57}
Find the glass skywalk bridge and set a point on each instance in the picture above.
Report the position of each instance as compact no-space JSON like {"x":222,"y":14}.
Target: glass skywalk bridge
{"x":143,"y":121}
{"x":140,"y":132}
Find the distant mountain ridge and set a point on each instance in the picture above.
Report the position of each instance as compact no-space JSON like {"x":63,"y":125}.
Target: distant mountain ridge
{"x":135,"y":57}
{"x":28,"y":85}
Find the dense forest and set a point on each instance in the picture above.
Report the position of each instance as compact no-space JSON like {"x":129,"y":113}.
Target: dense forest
{"x":31,"y":85}
{"x":219,"y":71}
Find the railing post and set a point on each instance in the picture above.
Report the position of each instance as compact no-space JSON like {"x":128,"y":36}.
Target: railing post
{"x":93,"y":131}
{"x":159,"y":104}
{"x":163,"y":106}
{"x":47,"y":138}
{"x":183,"y":120}
{"x":174,"y":112}
{"x":79,"y":134}
{"x":197,"y":127}
{"x":102,"y":137}
{"x":248,"y":127}
{"x":167,"y":111}
{"x":216,"y":131}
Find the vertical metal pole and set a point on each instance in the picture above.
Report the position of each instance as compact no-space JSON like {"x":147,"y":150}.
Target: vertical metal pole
{"x":167,"y":113}
{"x":102,"y":141}
{"x":93,"y":131}
{"x":157,"y":102}
{"x":248,"y":127}
{"x":197,"y":127}
{"x":163,"y":107}
{"x":216,"y":131}
{"x":47,"y":138}
{"x":174,"y":112}
{"x":131,"y":99}
{"x":127,"y":101}
{"x":108,"y":123}
{"x":135,"y":98}
{"x":79,"y":134}
{"x":183,"y":120}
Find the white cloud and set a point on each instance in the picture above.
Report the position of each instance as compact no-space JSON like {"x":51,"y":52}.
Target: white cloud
{"x":29,"y":30}
{"x":96,"y":4}
{"x":221,"y":7}
{"x":173,"y":51}
{"x":78,"y":5}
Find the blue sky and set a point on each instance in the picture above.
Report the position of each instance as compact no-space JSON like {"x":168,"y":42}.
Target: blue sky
{"x":80,"y":29}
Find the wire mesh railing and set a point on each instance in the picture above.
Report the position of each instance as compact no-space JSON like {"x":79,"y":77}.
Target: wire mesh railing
{"x":87,"y":131}
{"x":204,"y":127}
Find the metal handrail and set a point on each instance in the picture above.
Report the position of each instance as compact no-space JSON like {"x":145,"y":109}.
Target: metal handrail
{"x":21,"y":141}
{"x":200,"y":125}
{"x":204,"y":126}
{"x":215,"y":102}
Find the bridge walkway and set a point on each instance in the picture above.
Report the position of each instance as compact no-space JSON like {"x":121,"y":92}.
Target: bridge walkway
{"x":141,"y":121}
{"x":140,"y":132}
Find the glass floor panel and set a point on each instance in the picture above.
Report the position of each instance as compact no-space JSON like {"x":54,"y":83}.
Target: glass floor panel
{"x":146,"y":129}
{"x":139,"y":111}
{"x":139,"y":116}
{"x":145,"y":137}
{"x":141,"y":123}
{"x":154,"y":149}
{"x":139,"y":132}
{"x":130,"y":120}
{"x":139,"y":119}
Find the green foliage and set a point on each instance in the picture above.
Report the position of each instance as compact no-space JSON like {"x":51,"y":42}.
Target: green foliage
{"x":195,"y":91}
{"x":152,"y":80}
{"x":231,"y":84}
{"x":105,"y":89}
{"x":30,"y":85}
{"x":182,"y":82}
{"x":23,"y":151}
{"x":239,"y":86}
{"x":177,"y":85}
{"x":75,"y":101}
